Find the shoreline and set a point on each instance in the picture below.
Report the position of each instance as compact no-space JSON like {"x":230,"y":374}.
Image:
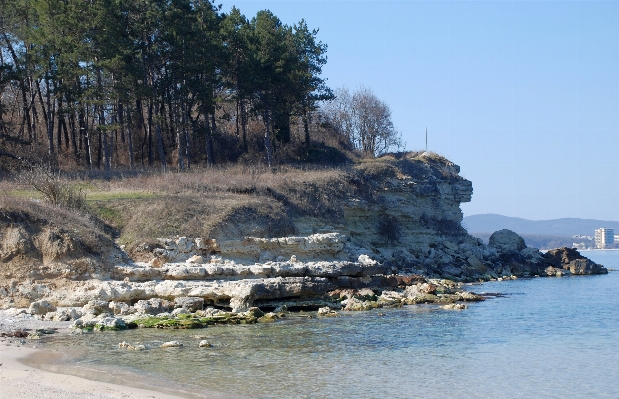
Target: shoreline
{"x":31,"y":373}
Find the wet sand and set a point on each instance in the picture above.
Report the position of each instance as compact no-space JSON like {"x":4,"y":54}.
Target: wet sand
{"x":19,"y":379}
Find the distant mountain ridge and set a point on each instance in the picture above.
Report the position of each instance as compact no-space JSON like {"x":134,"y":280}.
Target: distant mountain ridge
{"x":491,"y":222}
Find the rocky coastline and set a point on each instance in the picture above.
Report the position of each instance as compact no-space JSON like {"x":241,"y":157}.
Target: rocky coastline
{"x":404,"y":247}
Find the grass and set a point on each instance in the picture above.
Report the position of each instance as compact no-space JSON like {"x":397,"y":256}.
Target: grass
{"x":233,"y":201}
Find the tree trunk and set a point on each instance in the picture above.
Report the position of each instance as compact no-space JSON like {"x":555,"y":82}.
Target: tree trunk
{"x":50,"y":123}
{"x":187,"y":137}
{"x":85,"y":134}
{"x":306,"y":128}
{"x":22,"y":85}
{"x":149,"y":133}
{"x":73,"y":136}
{"x":244,"y":125}
{"x":267,"y":138}
{"x":160,"y":147}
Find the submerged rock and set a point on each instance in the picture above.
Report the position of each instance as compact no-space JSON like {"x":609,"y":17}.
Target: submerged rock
{"x":171,"y":344}
{"x":327,"y":312}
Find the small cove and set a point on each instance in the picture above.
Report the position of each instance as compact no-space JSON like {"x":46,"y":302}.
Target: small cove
{"x":546,"y":337}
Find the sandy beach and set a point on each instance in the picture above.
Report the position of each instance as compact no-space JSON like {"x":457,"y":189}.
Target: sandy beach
{"x":18,"y":379}
{"x":23,"y":369}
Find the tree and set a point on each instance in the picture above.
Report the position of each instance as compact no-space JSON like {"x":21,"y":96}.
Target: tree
{"x":310,"y":60}
{"x":364,"y":120}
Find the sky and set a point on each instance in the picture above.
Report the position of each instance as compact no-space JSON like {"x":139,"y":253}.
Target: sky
{"x":523,"y":95}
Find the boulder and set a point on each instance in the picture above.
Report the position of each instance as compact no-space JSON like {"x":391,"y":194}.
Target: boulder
{"x":190,"y":303}
{"x":171,"y":344}
{"x":505,"y":241}
{"x":327,"y":312}
{"x":198,"y":259}
{"x":97,"y":307}
{"x":111,"y":323}
{"x":152,"y":306}
{"x":204,"y":344}
{"x":41,"y":308}
{"x":121,"y":308}
{"x":570,"y":259}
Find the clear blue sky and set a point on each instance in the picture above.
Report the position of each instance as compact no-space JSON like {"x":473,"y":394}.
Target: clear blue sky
{"x":524,"y":96}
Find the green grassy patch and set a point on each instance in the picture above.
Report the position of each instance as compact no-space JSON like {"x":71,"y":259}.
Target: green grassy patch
{"x":115,"y":196}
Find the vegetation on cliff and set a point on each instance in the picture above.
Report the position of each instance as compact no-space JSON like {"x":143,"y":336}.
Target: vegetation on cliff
{"x":173,"y":84}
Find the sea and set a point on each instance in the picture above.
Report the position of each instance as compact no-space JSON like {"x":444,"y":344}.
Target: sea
{"x":552,"y":337}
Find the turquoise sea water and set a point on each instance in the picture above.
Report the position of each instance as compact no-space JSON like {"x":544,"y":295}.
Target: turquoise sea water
{"x":545,"y":338}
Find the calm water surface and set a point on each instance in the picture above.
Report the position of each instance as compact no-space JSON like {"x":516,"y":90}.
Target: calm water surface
{"x":546,"y":338}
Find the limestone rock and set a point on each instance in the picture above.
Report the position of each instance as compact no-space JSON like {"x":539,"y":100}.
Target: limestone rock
{"x":507,"y":241}
{"x":192,"y":304}
{"x":455,"y":306}
{"x":41,"y":307}
{"x":196,"y":259}
{"x":97,"y":307}
{"x":152,"y":306}
{"x":327,"y":312}
{"x":171,"y":344}
{"x":121,"y":308}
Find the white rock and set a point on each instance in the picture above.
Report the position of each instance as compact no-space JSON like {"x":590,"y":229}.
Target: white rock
{"x":171,"y":344}
{"x":196,"y":259}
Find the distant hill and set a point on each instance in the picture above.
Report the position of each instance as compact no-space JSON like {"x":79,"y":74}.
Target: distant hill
{"x":490,"y":222}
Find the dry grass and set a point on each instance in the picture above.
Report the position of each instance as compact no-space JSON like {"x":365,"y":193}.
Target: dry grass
{"x":76,"y":222}
{"x":229,"y":202}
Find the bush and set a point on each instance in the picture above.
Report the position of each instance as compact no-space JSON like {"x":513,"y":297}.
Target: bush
{"x":389,"y":228}
{"x":54,"y":189}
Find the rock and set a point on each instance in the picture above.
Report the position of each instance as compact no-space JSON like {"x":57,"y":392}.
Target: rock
{"x":366,"y":260}
{"x":97,"y":307}
{"x":254,"y":312}
{"x":585,"y":266}
{"x":506,"y":241}
{"x":354,"y":304}
{"x":152,"y":306}
{"x":157,"y":262}
{"x":121,"y":308}
{"x":184,"y":244}
{"x":196,"y":259}
{"x":268,"y":318}
{"x":41,"y":308}
{"x":179,"y":311}
{"x":327,"y":312}
{"x":204,"y":344}
{"x":171,"y":344}
{"x":64,"y":314}
{"x":455,"y":306}
{"x":137,"y":347}
{"x":570,"y":259}
{"x":190,"y":303}
{"x":476,"y":263}
{"x":111,"y":323}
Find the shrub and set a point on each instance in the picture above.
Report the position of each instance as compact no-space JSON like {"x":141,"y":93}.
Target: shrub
{"x":389,"y":228}
{"x":54,"y":189}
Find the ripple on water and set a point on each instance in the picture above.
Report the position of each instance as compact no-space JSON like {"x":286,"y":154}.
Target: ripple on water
{"x":547,"y":338}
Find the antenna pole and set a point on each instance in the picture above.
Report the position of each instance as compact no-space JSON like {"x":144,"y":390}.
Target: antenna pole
{"x":426,"y":139}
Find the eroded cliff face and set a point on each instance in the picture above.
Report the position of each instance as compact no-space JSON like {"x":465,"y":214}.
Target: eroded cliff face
{"x":401,"y":218}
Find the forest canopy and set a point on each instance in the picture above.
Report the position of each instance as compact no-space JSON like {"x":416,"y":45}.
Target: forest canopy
{"x":137,"y":83}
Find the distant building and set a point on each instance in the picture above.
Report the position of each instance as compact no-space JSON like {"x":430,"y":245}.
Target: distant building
{"x":604,"y":237}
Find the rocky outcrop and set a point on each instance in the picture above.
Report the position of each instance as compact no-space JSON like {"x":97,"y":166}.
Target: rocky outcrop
{"x":564,"y":260}
{"x":403,"y":231}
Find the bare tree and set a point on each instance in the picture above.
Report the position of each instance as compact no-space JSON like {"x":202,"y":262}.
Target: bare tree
{"x":365,"y":120}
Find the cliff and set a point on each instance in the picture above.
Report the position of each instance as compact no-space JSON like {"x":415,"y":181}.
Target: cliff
{"x":390,"y":226}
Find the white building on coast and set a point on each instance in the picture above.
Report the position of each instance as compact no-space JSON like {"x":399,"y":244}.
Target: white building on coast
{"x":604,"y":237}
